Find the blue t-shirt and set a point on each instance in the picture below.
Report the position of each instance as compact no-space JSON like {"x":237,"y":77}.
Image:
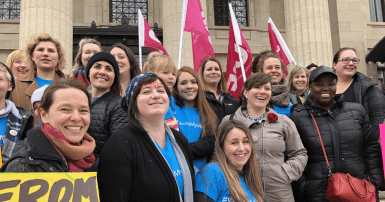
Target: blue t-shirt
{"x":169,"y":155}
{"x":212,"y":181}
{"x":3,"y":126}
{"x":42,"y":82}
{"x":283,"y":110}
{"x":190,"y":126}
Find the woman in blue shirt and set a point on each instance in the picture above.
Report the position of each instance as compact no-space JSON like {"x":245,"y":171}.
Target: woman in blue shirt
{"x":196,"y":120}
{"x":233,"y":175}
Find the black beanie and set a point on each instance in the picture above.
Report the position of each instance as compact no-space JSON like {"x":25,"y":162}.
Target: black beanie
{"x":103,"y":56}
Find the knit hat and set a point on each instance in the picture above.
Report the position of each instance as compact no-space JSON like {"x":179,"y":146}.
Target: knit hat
{"x":103,"y":56}
{"x":38,"y":94}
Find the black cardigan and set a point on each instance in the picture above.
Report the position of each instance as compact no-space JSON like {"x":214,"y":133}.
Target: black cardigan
{"x":131,"y":168}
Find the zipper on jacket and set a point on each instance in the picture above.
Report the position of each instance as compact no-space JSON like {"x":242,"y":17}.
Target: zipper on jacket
{"x":336,"y":153}
{"x":263,"y":154}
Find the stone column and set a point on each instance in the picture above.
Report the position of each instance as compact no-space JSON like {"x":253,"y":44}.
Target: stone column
{"x":171,"y":32}
{"x":53,"y":17}
{"x":308,"y":34}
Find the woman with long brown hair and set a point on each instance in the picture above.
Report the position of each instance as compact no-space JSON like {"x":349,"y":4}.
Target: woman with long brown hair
{"x":214,"y":82}
{"x":196,"y":120}
{"x":128,"y":65}
{"x":233,"y":175}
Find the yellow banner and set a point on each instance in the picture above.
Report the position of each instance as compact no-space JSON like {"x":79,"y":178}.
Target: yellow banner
{"x":51,"y":187}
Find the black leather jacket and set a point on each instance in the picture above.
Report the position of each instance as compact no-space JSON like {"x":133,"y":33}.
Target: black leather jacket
{"x":107,"y":117}
{"x":35,"y":154}
{"x":225,"y":105}
{"x":350,"y":142}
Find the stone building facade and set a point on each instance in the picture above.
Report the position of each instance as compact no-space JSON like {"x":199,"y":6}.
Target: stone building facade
{"x":313,"y":29}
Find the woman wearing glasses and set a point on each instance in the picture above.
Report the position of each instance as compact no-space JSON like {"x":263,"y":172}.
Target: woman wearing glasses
{"x":358,"y":88}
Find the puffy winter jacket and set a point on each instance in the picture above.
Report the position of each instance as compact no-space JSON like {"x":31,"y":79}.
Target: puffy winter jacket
{"x":107,"y":117}
{"x":371,"y":97}
{"x":35,"y":154}
{"x":225,"y":105}
{"x":350,"y":143}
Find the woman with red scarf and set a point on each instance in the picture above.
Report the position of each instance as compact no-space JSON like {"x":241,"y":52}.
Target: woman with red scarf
{"x":62,"y":144}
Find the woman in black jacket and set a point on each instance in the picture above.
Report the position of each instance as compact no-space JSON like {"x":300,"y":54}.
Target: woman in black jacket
{"x":358,"y":88}
{"x":350,"y":142}
{"x":214,"y":82}
{"x":107,"y":117}
{"x":146,"y":160}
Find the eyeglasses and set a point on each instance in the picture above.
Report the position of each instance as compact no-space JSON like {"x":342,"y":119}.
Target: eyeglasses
{"x":347,"y":60}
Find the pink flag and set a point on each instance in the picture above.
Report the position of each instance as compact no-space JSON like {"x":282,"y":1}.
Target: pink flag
{"x":279,"y":46}
{"x":147,"y":37}
{"x":234,"y":76}
{"x":382,"y":137}
{"x":196,"y":24}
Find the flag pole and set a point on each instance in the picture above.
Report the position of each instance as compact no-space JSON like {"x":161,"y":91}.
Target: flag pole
{"x":238,"y":40}
{"x":184,"y":12}
{"x":140,"y":48}
{"x":241,"y":61}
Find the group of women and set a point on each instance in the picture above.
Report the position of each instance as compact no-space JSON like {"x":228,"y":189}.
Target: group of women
{"x":178,"y":135}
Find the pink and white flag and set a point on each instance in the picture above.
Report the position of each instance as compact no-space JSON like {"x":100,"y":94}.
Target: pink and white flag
{"x":195,"y":22}
{"x":234,"y":75}
{"x":147,"y":37}
{"x":279,"y":46}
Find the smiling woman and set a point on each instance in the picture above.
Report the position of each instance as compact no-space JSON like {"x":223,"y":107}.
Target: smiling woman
{"x":298,"y":85}
{"x":272,"y":65}
{"x":146,"y":156}
{"x":107,"y":116}
{"x":232,"y":173}
{"x":62,"y":144}
{"x":214,"y":82}
{"x":280,"y":154}
{"x":350,"y":141}
{"x":196,"y":120}
{"x":15,"y":61}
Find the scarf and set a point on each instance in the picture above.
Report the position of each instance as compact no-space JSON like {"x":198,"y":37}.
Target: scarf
{"x":9,"y":106}
{"x":79,"y":156}
{"x":187,"y":181}
{"x":280,"y":95}
{"x":80,"y":75}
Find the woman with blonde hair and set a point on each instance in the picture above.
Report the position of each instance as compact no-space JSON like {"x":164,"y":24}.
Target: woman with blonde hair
{"x":15,"y":61}
{"x":164,"y":67}
{"x":299,"y":85}
{"x":196,"y":119}
{"x":87,"y":48}
{"x":214,"y":82}
{"x":45,"y":57}
{"x":230,"y":177}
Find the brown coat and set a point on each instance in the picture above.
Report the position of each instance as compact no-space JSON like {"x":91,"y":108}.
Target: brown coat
{"x":281,"y":155}
{"x":24,"y":87}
